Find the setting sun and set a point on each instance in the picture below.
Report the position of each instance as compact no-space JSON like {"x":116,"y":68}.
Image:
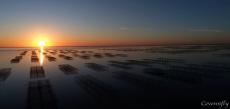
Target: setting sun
{"x":41,"y":43}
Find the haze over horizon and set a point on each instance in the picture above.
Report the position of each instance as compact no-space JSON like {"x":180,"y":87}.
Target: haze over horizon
{"x":113,"y":22}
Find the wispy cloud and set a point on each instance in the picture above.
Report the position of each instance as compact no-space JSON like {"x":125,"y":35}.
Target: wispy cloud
{"x":124,"y":28}
{"x":206,"y":30}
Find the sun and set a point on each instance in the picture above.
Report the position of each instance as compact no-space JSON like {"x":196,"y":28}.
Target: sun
{"x":41,"y":43}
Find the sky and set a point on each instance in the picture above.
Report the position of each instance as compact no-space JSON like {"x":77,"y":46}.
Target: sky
{"x":113,"y":22}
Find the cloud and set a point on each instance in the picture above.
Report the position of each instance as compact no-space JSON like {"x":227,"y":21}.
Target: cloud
{"x":124,"y":28}
{"x":206,"y":30}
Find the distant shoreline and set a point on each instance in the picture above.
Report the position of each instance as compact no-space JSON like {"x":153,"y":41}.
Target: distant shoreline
{"x":130,"y":45}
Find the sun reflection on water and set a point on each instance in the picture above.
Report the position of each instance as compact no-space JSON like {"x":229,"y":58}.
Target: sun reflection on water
{"x":41,"y":55}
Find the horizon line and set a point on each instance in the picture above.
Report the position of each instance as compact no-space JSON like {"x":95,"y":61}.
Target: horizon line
{"x":121,"y":45}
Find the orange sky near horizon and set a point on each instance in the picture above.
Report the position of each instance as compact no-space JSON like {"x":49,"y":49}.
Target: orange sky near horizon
{"x":29,"y":37}
{"x":51,"y":40}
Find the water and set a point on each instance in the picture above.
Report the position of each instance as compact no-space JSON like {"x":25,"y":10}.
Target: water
{"x":80,"y":77}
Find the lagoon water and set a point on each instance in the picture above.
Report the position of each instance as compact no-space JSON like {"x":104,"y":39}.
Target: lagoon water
{"x":80,"y":77}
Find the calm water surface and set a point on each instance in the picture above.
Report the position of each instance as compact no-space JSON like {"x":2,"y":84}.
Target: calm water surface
{"x":79,"y":77}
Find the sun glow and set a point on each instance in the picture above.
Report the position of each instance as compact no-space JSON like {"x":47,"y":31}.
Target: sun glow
{"x":42,"y":40}
{"x":41,"y":43}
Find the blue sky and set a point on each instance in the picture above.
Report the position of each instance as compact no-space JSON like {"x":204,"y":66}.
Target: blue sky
{"x":116,"y":19}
